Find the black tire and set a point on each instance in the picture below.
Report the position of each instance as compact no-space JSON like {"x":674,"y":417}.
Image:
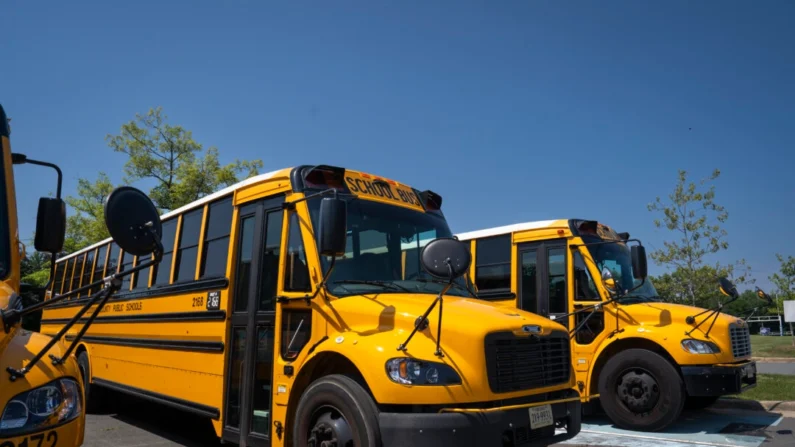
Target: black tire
{"x":93,"y":396}
{"x":699,"y":402}
{"x":336,"y":406}
{"x":640,"y":390}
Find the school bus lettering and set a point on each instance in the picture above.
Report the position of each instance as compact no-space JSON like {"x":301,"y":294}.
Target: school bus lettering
{"x":135,"y":306}
{"x":592,"y":279}
{"x":381,"y":189}
{"x":286,"y":301}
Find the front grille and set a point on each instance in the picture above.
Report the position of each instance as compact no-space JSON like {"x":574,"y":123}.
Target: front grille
{"x":741,"y":340}
{"x":522,"y":363}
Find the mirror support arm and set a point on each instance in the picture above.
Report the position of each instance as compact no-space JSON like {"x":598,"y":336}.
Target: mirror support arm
{"x":18,"y":373}
{"x":17,"y":158}
{"x":423,"y":320}
{"x":112,"y":284}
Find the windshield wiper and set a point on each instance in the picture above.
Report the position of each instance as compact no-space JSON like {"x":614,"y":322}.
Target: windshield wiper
{"x":458,"y":286}
{"x":384,"y":284}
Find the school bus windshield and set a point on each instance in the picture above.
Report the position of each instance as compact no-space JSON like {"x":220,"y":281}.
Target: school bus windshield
{"x":615,"y":258}
{"x":382,"y":254}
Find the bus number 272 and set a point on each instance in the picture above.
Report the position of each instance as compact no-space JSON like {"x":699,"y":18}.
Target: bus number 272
{"x":38,"y":440}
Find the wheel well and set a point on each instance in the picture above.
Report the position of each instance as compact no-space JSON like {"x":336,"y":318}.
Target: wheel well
{"x":323,"y":364}
{"x":621,"y":345}
{"x":81,"y":348}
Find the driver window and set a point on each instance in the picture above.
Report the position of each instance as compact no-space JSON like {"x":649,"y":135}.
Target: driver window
{"x":584,"y":286}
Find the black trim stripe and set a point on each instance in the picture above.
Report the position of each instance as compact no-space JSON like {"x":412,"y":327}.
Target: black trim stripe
{"x":180,"y":404}
{"x":203,"y":285}
{"x":155,"y":343}
{"x":165,"y":317}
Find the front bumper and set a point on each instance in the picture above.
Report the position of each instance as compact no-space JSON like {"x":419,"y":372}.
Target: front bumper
{"x":509,"y":427}
{"x":69,"y":434}
{"x":719,"y":380}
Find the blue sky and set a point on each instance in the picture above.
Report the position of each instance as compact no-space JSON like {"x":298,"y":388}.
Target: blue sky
{"x":512,"y":110}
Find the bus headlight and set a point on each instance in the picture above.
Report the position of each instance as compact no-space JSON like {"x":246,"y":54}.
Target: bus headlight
{"x":52,"y":404}
{"x":699,"y":346}
{"x":408,"y":371}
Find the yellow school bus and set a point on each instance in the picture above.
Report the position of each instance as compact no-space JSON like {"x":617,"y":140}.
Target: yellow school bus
{"x":41,"y":388}
{"x":43,"y":404}
{"x":644,"y":358}
{"x":318,"y":305}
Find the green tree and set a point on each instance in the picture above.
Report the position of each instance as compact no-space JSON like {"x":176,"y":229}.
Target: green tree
{"x":86,"y":224}
{"x":784,"y":281}
{"x":692,"y":214}
{"x":33,"y":262}
{"x":168,"y":155}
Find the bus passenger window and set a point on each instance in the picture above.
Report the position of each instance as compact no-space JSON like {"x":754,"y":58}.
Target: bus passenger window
{"x":296,"y":273}
{"x":113,"y":258}
{"x":584,"y":286}
{"x":263,"y":378}
{"x":88,"y":269}
{"x":163,"y":268}
{"x":528,"y":283}
{"x":141,"y":280}
{"x":126,"y":264}
{"x":78,"y":269}
{"x":56,"y":288}
{"x":99,"y":268}
{"x":269,"y":273}
{"x":493,"y":263}
{"x":185,"y":262}
{"x":216,"y":239}
{"x":245,"y":252}
{"x":556,"y":265}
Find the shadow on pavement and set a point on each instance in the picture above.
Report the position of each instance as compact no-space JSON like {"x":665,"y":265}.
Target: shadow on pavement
{"x":157,"y":421}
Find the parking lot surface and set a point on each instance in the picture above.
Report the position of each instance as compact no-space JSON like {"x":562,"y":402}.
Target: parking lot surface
{"x":132,"y":423}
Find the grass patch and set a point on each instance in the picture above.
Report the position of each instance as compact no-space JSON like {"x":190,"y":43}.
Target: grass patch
{"x":771,"y":387}
{"x":772,"y":346}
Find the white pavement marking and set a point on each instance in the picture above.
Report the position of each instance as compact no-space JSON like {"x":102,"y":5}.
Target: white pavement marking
{"x":692,"y":429}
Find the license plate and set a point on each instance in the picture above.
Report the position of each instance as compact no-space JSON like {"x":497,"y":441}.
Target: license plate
{"x":749,"y":371}
{"x":540,"y":416}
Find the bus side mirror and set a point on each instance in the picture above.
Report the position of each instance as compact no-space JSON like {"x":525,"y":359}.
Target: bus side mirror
{"x":50,"y":225}
{"x":446,"y":258}
{"x":333,"y":226}
{"x":763,"y":296}
{"x":133,"y":221}
{"x":639,"y":264}
{"x":727,"y":288}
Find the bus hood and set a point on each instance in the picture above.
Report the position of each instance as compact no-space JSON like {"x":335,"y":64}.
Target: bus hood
{"x":462,"y":318}
{"x":665,"y":314}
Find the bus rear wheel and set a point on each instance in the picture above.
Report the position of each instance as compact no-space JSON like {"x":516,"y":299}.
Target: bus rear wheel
{"x":336,"y":411}
{"x":641,"y":390}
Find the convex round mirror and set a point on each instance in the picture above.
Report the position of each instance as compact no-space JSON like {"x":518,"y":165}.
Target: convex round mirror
{"x":727,"y":288}
{"x":128,"y":211}
{"x":607,"y":280}
{"x":763,"y":296}
{"x":436,"y":254}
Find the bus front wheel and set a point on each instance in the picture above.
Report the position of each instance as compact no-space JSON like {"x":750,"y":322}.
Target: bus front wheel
{"x":336,"y":411}
{"x":93,"y":396}
{"x":641,"y":390}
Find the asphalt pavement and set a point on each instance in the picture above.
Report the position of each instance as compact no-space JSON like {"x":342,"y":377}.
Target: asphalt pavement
{"x":132,"y":423}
